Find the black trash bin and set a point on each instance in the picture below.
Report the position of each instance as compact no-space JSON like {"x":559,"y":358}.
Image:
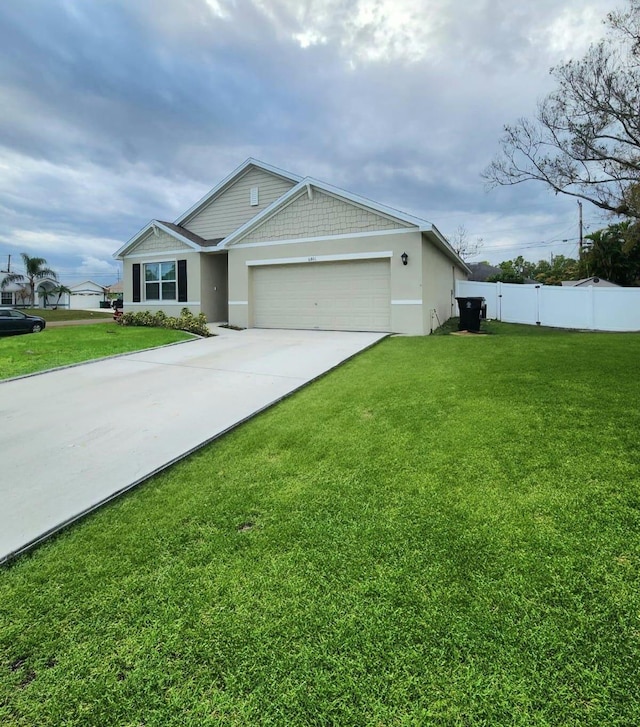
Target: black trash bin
{"x":470,"y":312}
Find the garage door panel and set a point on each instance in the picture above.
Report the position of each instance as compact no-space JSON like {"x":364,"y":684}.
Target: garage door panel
{"x":353,"y":295}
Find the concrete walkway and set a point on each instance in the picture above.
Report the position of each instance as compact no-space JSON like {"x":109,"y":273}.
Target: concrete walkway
{"x":75,"y":438}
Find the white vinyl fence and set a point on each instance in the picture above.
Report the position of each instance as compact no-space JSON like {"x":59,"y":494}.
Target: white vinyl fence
{"x":587,"y":308}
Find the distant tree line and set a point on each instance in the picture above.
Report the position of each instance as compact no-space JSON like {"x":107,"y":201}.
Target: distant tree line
{"x":612,"y":253}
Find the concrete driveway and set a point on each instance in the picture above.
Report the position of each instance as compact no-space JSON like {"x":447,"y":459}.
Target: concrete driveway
{"x":75,"y":438}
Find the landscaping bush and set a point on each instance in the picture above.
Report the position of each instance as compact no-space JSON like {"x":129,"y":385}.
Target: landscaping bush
{"x":185,"y":322}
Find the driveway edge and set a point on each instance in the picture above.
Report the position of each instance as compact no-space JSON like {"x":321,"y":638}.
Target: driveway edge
{"x":8,"y":559}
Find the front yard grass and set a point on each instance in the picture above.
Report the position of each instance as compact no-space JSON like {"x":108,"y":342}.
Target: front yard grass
{"x":64,"y":314}
{"x":444,"y":531}
{"x":53,"y":347}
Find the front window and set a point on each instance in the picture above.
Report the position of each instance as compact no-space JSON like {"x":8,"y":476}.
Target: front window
{"x":160,"y":281}
{"x":7,"y":299}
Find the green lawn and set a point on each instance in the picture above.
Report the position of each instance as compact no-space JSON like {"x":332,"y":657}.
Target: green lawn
{"x":53,"y":347}
{"x":63,"y":314}
{"x":444,"y":531}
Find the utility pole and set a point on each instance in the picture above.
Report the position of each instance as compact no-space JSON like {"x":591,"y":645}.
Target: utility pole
{"x":8,"y":270}
{"x":581,"y":239}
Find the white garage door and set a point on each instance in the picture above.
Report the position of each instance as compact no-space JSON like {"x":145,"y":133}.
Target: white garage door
{"x":334,"y":296}
{"x":78,"y":301}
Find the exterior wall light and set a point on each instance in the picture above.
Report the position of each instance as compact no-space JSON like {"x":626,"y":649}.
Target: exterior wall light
{"x":405,"y":258}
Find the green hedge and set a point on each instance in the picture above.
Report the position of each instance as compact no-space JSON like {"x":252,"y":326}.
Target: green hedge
{"x":185,"y":322}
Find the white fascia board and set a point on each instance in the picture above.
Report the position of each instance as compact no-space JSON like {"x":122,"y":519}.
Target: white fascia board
{"x":235,"y":174}
{"x":119,"y":255}
{"x":178,"y":236}
{"x":367,"y":203}
{"x":339,"y":257}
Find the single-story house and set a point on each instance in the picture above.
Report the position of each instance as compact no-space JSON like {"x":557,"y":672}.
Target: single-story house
{"x":266,"y":248}
{"x":19,"y":294}
{"x":86,"y":294}
{"x":586,"y":282}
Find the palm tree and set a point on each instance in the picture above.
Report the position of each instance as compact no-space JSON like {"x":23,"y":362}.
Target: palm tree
{"x":60,"y":290}
{"x":35,"y":269}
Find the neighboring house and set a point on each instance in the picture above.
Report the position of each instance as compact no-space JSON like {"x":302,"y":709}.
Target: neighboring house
{"x":268,"y":249}
{"x":480,"y":272}
{"x":19,"y":294}
{"x":116,"y":290}
{"x":12,"y":294}
{"x":86,"y":294}
{"x":586,"y":282}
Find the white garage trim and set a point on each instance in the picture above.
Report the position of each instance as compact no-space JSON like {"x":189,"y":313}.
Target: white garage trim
{"x":322,"y":258}
{"x":335,"y":294}
{"x":238,"y":302}
{"x":322,"y":238}
{"x":406,"y":302}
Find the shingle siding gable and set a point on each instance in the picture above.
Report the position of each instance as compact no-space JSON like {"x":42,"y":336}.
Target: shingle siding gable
{"x":232,"y":208}
{"x":159,"y":242}
{"x":321,"y":215}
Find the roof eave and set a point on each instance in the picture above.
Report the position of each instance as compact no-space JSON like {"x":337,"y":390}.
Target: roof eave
{"x":120,"y":254}
{"x":441,"y":243}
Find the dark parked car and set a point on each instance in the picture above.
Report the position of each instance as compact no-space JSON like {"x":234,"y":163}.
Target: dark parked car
{"x":15,"y":321}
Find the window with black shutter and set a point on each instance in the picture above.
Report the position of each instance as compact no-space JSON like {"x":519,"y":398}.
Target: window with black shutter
{"x":136,"y":282}
{"x":182,"y":281}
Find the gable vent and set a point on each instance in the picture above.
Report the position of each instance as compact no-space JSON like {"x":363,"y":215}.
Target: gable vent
{"x":253,"y":197}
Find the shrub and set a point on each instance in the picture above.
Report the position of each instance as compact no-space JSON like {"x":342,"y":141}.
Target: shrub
{"x":185,"y":322}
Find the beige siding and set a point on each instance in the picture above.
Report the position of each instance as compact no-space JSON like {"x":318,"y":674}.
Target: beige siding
{"x":439,"y":274}
{"x":214,"y":287}
{"x":231,"y":208}
{"x":321,"y":215}
{"x":169,"y":307}
{"x":158,"y":242}
{"x":405,"y":281}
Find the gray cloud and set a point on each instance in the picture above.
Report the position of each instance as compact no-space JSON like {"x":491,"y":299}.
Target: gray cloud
{"x":117,"y":112}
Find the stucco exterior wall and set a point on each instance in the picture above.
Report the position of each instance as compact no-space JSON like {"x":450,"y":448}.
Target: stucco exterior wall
{"x":232,"y":208}
{"x":323,"y":214}
{"x":406,"y":280}
{"x":439,"y":274}
{"x":171,"y":308}
{"x":214,"y":287}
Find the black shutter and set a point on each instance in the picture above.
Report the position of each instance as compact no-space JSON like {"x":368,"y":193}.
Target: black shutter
{"x":182,"y":281}
{"x":136,"y":282}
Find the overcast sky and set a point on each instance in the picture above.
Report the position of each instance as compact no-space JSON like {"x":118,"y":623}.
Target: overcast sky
{"x":114,"y":112}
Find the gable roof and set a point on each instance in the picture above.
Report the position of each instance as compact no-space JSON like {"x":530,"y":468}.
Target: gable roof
{"x":305,"y":184}
{"x":179,"y":233}
{"x":194,"y":241}
{"x":76,"y":287}
{"x":230,"y":179}
{"x":421,"y":225}
{"x":593,"y":280}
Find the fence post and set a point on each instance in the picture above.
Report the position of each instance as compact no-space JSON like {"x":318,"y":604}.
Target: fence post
{"x":592,"y":306}
{"x":499,"y":300}
{"x":537,"y":305}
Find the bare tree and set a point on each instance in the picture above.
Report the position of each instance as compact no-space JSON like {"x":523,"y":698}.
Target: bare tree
{"x":585,"y":138}
{"x":463,"y":246}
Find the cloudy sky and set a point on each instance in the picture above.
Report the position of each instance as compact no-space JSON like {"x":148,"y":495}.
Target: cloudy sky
{"x":114,"y":112}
